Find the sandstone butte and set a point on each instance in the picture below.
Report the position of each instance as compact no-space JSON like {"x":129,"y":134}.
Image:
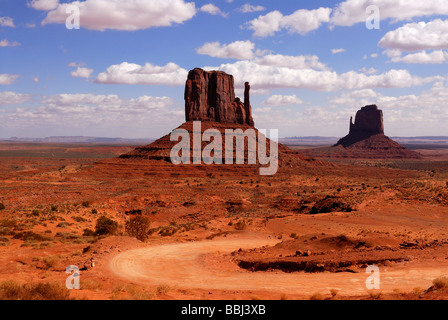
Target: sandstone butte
{"x":366,"y":138}
{"x":210,"y":98}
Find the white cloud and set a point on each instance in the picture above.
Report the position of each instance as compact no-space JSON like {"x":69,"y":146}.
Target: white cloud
{"x":126,"y":15}
{"x":292,"y":62}
{"x":418,"y":36}
{"x":8,"y":98}
{"x":280,"y":100}
{"x":351,"y":12}
{"x":6,"y":43}
{"x":131,"y":73}
{"x":235,"y":50}
{"x":90,"y":114}
{"x":248,"y":8}
{"x":6,"y":22}
{"x":212,"y":9}
{"x":81,"y":72}
{"x":368,"y":71}
{"x":335,"y":51}
{"x":8,"y":78}
{"x":355,"y":98}
{"x":302,"y":22}
{"x":271,"y":77}
{"x":422,"y":57}
{"x":45,"y":5}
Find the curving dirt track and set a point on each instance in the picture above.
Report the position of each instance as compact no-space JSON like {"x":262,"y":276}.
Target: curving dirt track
{"x":182,"y":265}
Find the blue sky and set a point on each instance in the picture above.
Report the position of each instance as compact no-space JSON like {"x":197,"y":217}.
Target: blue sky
{"x":311,"y":64}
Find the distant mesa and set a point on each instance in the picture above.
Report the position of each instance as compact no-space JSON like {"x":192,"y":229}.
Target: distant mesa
{"x":366,"y":138}
{"x":210,"y":96}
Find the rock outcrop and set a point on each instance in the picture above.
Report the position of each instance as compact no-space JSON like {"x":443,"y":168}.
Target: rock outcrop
{"x":368,"y":122}
{"x":210,"y":96}
{"x":366,"y":139}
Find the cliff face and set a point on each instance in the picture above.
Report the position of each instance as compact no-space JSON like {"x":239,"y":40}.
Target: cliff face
{"x":210,"y":96}
{"x":368,"y":122}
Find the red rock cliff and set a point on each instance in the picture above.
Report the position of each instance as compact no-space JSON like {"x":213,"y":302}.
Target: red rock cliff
{"x":210,"y":96}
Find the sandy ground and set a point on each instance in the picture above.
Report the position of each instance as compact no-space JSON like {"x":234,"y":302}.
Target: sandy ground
{"x":182,"y":265}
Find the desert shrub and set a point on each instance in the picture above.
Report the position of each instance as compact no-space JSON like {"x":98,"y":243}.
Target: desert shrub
{"x":67,"y":235}
{"x":12,"y":290}
{"x":240,"y":225}
{"x":441,"y":283}
{"x":5,"y":231}
{"x":138,"y":227}
{"x":94,"y":211}
{"x":51,"y":262}
{"x":54,"y":208}
{"x":167,"y":231}
{"x":2,"y":206}
{"x":106,"y":226}
{"x":63,"y":224}
{"x":317,"y":296}
{"x":4,"y":241}
{"x":79,"y":219}
{"x":88,"y":233}
{"x":163,"y":289}
{"x":30,"y":236}
{"x":334,"y":293}
{"x":8,"y":223}
{"x":35,"y":213}
{"x":85,"y":204}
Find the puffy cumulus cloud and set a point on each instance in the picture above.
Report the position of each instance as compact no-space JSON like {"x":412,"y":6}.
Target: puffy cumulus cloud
{"x":280,"y":100}
{"x":236,"y":50}
{"x":9,"y":97}
{"x":45,"y":5}
{"x":355,"y":97}
{"x":7,"y":43}
{"x":131,"y":73}
{"x":422,"y":57}
{"x":301,"y":21}
{"x":435,"y":98}
{"x":81,"y":72}
{"x":292,"y":62}
{"x":7,"y":22}
{"x":368,"y":71}
{"x":8,"y":78}
{"x":271,"y":77}
{"x":125,"y":15}
{"x":404,"y":115}
{"x":212,"y":9}
{"x":415,"y":114}
{"x":351,"y":12}
{"x":93,"y":114}
{"x":248,"y":8}
{"x":418,"y":36}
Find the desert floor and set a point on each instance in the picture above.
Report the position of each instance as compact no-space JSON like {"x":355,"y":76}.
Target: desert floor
{"x":221,"y":232}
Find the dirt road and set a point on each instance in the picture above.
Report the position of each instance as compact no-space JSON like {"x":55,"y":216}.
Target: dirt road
{"x":182,"y":265}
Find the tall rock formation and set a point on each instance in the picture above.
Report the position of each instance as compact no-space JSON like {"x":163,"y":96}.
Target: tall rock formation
{"x":366,"y":139}
{"x":368,"y":122}
{"x":210,"y":96}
